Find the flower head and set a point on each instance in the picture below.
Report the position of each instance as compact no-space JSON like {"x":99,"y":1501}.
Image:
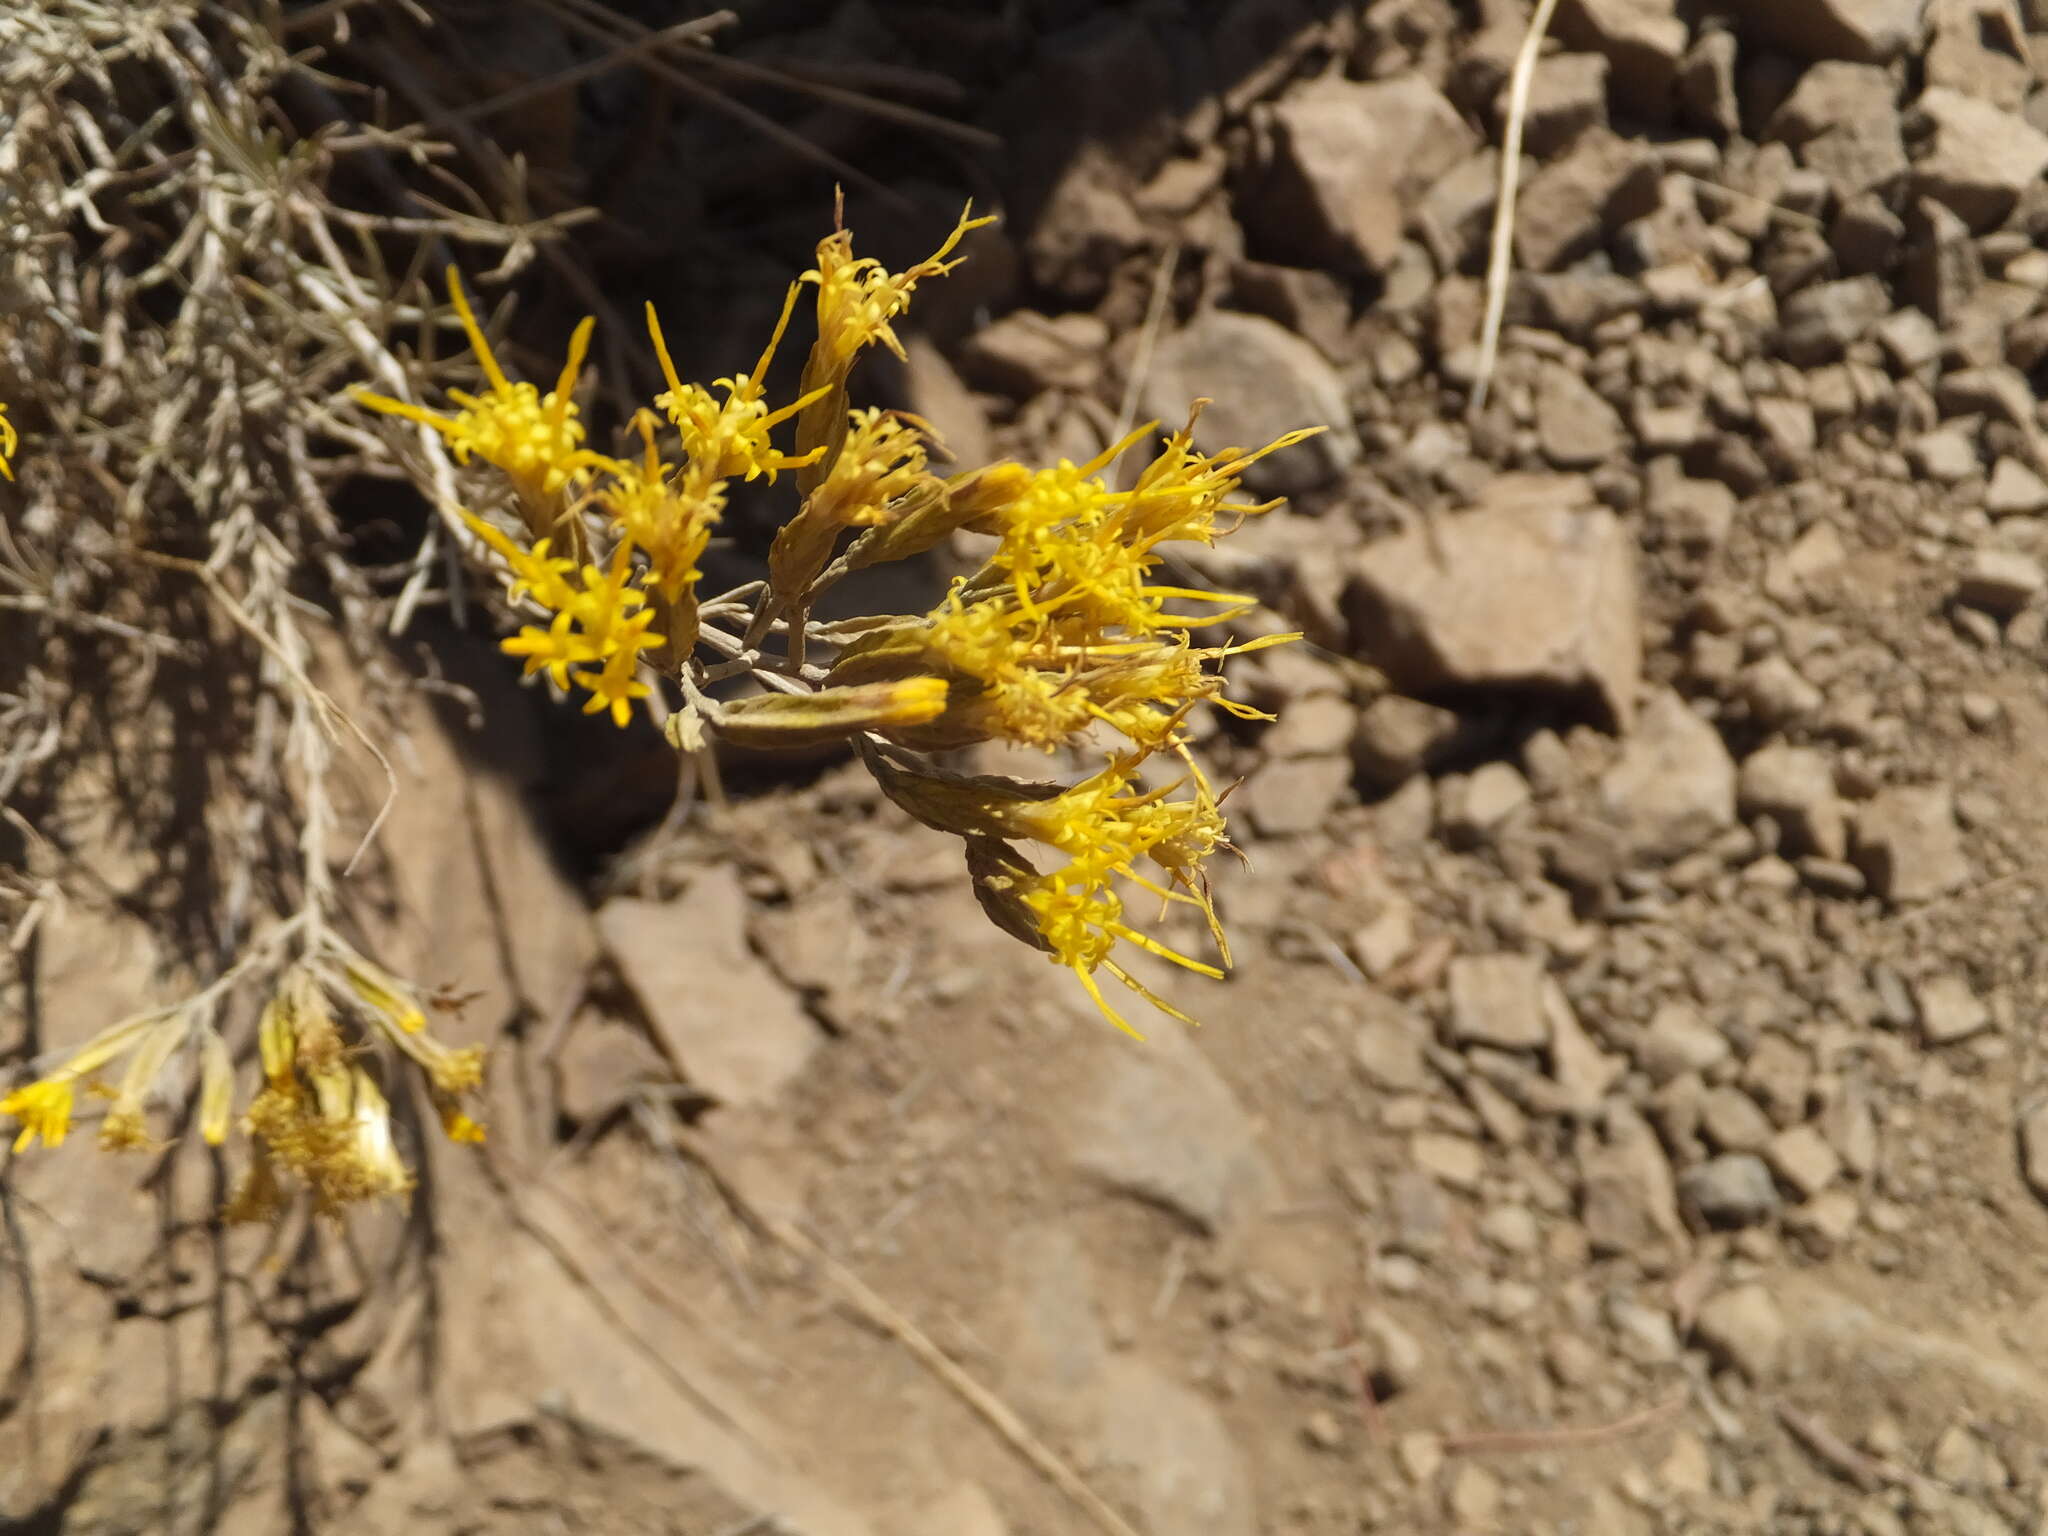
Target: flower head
{"x":600,"y":622}
{"x":664,"y":513}
{"x":722,"y":439}
{"x":9,"y":441}
{"x":858,"y":297}
{"x":535,"y":439}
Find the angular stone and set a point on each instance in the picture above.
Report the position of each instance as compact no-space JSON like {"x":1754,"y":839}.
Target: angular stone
{"x":1819,"y":323}
{"x":1025,"y":353}
{"x":1732,"y":1190}
{"x":1390,"y":1045}
{"x":936,"y":393}
{"x":1742,"y":1328}
{"x":1844,"y":121}
{"x":1949,"y":1010}
{"x":1802,"y":1157}
{"x":1643,"y":40}
{"x":1567,"y":95}
{"x":1868,"y":30}
{"x":1539,"y":597}
{"x":1673,"y":786}
{"x":1978,"y":159}
{"x":1497,"y":1000}
{"x":1706,"y":82}
{"x":1626,"y":1199}
{"x":1569,"y":206}
{"x":1161,"y":1125}
{"x":1398,"y":737}
{"x":1350,"y":159}
{"x":1575,"y":428}
{"x":1731,"y":1121}
{"x":1908,"y":845}
{"x":1795,"y":787}
{"x":2000,"y":581}
{"x":598,"y":1067}
{"x":1295,"y":794}
{"x":2015,"y":490}
{"x":730,"y":1027}
{"x":1677,"y":1040}
{"x":1264,"y":381}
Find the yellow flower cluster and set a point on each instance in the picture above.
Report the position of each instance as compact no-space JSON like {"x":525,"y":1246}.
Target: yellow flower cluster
{"x":9,"y":441}
{"x":1066,"y":627}
{"x":320,"y":1116}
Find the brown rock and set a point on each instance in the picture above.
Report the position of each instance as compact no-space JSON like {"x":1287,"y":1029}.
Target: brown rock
{"x":2000,"y":581}
{"x":689,"y":965}
{"x":1743,"y":1328}
{"x":1908,"y":845}
{"x":1949,"y":1010}
{"x":1162,"y":1126}
{"x":1575,"y":428}
{"x":1644,"y":41}
{"x":1844,"y":121}
{"x":1497,"y":1000}
{"x":935,"y":393}
{"x":599,"y":1065}
{"x":1871,"y":30}
{"x":1398,"y":737}
{"x":1706,"y":83}
{"x":1978,"y":159}
{"x":1674,"y":785}
{"x":1795,"y":787}
{"x":1349,"y":160}
{"x":1802,"y":1158}
{"x":1819,"y":323}
{"x":1293,"y":795}
{"x":1567,"y":95}
{"x":1025,"y":353}
{"x":1264,"y":382}
{"x":1539,"y":596}
{"x":1569,"y":206}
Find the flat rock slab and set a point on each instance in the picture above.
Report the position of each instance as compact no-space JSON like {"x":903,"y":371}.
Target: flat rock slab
{"x":1538,"y":596}
{"x":1163,"y":1127}
{"x":725,"y":1021}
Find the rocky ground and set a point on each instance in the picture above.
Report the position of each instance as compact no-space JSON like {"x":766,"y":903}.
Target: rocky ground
{"x":1627,"y":1115}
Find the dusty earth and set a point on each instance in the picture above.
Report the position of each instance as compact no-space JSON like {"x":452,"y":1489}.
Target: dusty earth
{"x":1627,"y":1112}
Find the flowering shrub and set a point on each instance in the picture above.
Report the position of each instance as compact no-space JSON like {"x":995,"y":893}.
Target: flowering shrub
{"x":1063,"y":636}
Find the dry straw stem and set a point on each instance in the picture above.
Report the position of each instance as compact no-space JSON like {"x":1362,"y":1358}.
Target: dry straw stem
{"x":190,"y":306}
{"x":1500,"y":259}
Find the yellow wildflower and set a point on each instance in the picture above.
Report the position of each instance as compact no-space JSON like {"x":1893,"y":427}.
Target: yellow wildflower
{"x":9,"y":441}
{"x":44,"y":1106}
{"x":670,"y":523}
{"x":601,"y":621}
{"x":535,"y":439}
{"x":880,"y":461}
{"x":730,"y":439}
{"x":858,"y":297}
